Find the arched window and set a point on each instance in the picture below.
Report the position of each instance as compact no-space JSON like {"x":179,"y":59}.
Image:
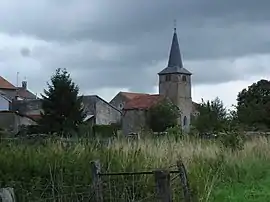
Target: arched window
{"x":185,"y":121}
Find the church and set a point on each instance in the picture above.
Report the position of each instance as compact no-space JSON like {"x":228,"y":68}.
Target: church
{"x":174,"y":84}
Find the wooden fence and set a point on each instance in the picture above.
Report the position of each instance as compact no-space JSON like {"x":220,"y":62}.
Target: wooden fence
{"x":162,"y":189}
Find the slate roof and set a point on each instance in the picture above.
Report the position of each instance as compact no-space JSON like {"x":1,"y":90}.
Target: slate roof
{"x":143,"y":102}
{"x":175,"y":64}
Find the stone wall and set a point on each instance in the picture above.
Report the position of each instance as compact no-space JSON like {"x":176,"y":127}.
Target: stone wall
{"x":178,"y":90}
{"x":11,"y":121}
{"x":106,"y":113}
{"x":118,"y":101}
{"x":134,"y":121}
{"x":29,"y":107}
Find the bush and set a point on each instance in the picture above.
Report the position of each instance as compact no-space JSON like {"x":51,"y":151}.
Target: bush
{"x":105,"y":130}
{"x":162,"y":116}
{"x":176,"y":132}
{"x":232,"y":140}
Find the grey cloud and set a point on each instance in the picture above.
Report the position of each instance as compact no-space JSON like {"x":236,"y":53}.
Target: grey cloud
{"x":126,"y":43}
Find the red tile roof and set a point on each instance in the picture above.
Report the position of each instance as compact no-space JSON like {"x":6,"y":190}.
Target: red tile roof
{"x":4,"y":84}
{"x":144,"y":101}
{"x":130,"y":95}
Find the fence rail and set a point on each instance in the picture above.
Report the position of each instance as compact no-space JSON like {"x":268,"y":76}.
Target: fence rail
{"x":162,"y":189}
{"x":162,"y":185}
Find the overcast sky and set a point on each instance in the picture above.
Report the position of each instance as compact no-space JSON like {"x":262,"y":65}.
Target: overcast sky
{"x":109,"y":46}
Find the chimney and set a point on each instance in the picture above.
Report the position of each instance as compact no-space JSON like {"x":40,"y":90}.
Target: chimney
{"x":24,"y":85}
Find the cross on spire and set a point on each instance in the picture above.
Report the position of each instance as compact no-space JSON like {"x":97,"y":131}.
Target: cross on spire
{"x":174,"y":25}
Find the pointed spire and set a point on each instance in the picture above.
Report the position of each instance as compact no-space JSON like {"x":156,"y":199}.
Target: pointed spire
{"x":175,"y":59}
{"x":175,"y":64}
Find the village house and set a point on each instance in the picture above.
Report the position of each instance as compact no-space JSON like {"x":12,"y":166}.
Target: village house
{"x":12,"y":120}
{"x":98,"y":111}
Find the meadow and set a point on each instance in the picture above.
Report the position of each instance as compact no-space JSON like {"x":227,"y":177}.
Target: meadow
{"x":53,"y":170}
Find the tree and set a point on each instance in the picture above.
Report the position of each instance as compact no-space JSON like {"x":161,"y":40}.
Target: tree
{"x":253,"y":105}
{"x":212,"y":116}
{"x":61,"y":105}
{"x":162,"y":116}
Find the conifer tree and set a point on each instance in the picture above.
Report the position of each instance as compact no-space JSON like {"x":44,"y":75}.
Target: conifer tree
{"x":62,"y":107}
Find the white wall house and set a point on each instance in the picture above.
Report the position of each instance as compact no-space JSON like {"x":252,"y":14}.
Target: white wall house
{"x":4,"y":103}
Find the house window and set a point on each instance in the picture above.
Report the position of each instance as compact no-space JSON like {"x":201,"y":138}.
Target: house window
{"x":184,"y":78}
{"x":168,"y":77}
{"x":185,"y":121}
{"x":121,"y":106}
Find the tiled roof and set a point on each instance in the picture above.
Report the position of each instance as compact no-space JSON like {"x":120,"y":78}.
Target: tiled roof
{"x":130,"y":95}
{"x":143,"y":102}
{"x":25,"y":94}
{"x":4,"y":84}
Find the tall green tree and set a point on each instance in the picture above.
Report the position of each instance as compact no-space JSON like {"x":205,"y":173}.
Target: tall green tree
{"x":62,"y":107}
{"x":212,"y":116}
{"x":163,"y":115}
{"x":253,"y":105}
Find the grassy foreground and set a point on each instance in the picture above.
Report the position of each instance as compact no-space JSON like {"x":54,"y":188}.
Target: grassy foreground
{"x":55,"y":171}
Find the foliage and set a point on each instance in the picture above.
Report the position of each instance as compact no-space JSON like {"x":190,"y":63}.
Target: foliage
{"x":162,"y":116}
{"x":56,"y":172}
{"x":106,"y":130}
{"x":212,"y":116}
{"x":176,"y":132}
{"x":253,"y":105}
{"x":61,"y":105}
{"x":232,"y":140}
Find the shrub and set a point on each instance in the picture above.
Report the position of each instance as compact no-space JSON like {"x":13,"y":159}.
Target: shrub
{"x":176,"y":132}
{"x":232,"y":140}
{"x":105,"y":130}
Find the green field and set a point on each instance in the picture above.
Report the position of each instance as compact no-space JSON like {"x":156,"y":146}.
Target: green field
{"x":57,"y":171}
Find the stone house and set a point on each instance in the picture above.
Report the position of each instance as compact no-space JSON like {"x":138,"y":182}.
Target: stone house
{"x":101,"y":111}
{"x":12,"y":92}
{"x":122,"y":98}
{"x":97,"y":110}
{"x":135,"y":112}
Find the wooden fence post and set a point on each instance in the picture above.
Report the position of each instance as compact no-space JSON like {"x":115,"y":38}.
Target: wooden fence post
{"x":97,"y":184}
{"x":184,"y":181}
{"x":162,"y":179}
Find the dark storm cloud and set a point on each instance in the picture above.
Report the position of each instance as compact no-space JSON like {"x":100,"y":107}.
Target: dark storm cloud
{"x":126,"y":43}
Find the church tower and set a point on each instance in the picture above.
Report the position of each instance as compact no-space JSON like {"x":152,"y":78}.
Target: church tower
{"x":175,"y":83}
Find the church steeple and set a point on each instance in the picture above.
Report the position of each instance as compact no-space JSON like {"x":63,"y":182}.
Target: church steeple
{"x":175,"y":64}
{"x":175,"y":58}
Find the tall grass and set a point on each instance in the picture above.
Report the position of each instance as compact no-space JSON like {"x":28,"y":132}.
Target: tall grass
{"x":55,"y":170}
